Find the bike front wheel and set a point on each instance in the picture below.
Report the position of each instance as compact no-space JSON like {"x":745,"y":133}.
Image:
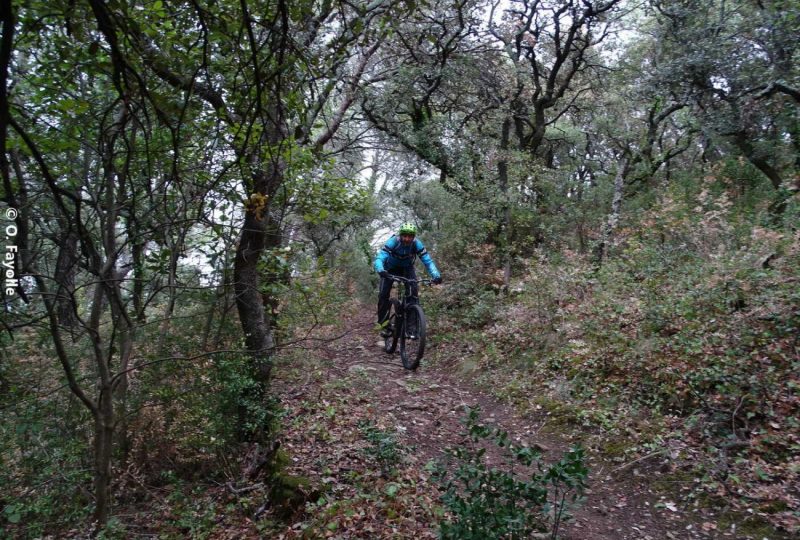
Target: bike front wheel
{"x":412,"y":337}
{"x":390,"y":341}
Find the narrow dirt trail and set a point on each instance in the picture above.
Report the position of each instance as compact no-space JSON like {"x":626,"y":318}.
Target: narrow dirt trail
{"x":356,"y":380}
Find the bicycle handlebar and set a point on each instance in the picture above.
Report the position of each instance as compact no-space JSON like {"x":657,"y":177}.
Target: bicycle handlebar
{"x":401,"y":279}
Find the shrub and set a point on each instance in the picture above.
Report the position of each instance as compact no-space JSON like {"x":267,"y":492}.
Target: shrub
{"x":384,"y":447}
{"x":486,"y":503}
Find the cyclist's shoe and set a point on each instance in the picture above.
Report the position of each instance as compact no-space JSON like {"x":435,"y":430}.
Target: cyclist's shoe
{"x":387,"y":332}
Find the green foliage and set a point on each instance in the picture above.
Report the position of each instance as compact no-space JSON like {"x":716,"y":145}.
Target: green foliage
{"x":113,"y":530}
{"x":311,"y":299}
{"x":492,"y":502}
{"x":240,"y":395}
{"x":45,"y":474}
{"x":477,"y":308}
{"x":221,"y":406}
{"x":356,"y":262}
{"x":384,"y":447}
{"x":193,"y":516}
{"x":685,"y":337}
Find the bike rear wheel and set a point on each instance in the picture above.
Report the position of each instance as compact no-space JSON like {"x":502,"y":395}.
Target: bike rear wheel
{"x":390,"y":342}
{"x":412,"y":338}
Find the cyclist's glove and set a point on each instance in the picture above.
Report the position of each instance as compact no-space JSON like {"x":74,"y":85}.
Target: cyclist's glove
{"x":383,"y":274}
{"x":437,"y":280}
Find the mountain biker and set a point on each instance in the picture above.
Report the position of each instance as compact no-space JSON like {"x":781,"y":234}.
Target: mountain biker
{"x":397,"y":257}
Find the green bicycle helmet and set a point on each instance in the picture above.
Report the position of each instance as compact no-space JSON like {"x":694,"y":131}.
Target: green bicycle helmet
{"x":408,"y":228}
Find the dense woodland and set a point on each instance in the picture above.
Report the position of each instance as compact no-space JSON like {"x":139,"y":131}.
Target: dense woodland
{"x":193,"y":193}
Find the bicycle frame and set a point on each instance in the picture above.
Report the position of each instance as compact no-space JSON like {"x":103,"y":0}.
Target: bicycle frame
{"x":415,"y":337}
{"x":406,"y":293}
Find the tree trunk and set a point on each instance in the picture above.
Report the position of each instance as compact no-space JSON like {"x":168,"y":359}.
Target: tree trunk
{"x":103,"y":441}
{"x":102,"y":409}
{"x":66,"y":265}
{"x":108,"y":289}
{"x":613,"y":218}
{"x":249,"y":300}
{"x":174,"y":245}
{"x":581,"y":228}
{"x":260,"y":231}
{"x":505,"y":237}
{"x":137,"y":251}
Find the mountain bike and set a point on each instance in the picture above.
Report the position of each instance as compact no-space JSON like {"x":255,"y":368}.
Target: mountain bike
{"x":407,"y":320}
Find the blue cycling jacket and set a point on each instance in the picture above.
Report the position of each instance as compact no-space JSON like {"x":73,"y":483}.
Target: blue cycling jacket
{"x":394,"y":254}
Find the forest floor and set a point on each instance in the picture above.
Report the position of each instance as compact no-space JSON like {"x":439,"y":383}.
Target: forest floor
{"x":362,"y":430}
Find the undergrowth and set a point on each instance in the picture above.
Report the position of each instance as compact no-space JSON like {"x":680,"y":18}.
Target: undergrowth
{"x":685,"y":344}
{"x":522,"y":498}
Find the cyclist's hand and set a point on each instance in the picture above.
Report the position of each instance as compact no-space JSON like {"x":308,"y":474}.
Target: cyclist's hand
{"x":384,"y":274}
{"x":437,"y":280}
